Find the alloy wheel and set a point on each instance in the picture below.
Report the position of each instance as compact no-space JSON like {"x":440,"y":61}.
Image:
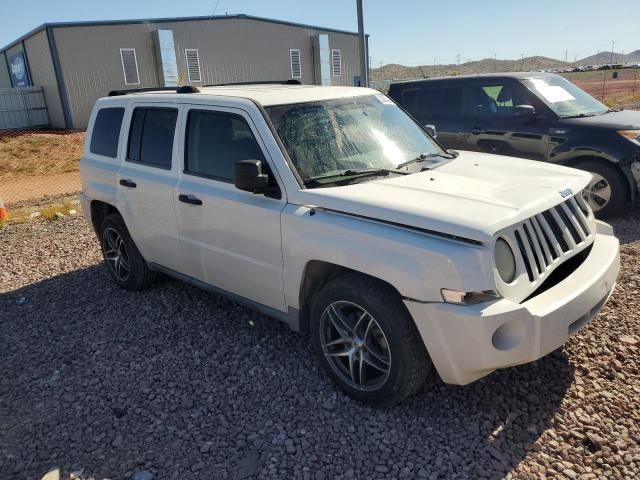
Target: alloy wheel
{"x":355,"y":346}
{"x":598,"y":193}
{"x":115,"y":254}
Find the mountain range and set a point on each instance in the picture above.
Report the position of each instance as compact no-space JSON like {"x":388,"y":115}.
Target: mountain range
{"x":394,"y":71}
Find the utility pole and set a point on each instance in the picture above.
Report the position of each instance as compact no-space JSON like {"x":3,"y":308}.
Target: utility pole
{"x":495,"y":62}
{"x":364,"y":73}
{"x":566,"y":53}
{"x":522,"y":57}
{"x":458,"y":59}
{"x":613,"y":44}
{"x":598,"y":58}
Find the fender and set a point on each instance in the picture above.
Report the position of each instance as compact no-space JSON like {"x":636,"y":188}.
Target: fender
{"x":416,"y":264}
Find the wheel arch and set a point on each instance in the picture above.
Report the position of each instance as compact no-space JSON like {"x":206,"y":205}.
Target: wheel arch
{"x":317,"y":273}
{"x":99,"y":211}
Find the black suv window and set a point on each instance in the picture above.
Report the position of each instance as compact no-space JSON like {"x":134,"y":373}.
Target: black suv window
{"x":497,"y":100}
{"x":151,"y":136}
{"x":433,"y":102}
{"x":215,"y":141}
{"x":106,"y":132}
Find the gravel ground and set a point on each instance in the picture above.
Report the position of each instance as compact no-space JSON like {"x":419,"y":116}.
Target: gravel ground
{"x":177,"y":383}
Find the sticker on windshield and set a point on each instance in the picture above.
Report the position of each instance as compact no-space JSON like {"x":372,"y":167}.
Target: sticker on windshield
{"x":552,"y":93}
{"x":384,"y":99}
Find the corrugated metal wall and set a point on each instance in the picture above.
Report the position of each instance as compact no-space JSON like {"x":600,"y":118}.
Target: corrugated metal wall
{"x":231,"y":50}
{"x":23,"y":107}
{"x":43,"y":75}
{"x":5,"y":79}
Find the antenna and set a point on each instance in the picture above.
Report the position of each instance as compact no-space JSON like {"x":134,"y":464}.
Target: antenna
{"x":215,"y":8}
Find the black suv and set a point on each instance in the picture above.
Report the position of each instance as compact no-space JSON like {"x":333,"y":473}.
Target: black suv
{"x":540,"y":116}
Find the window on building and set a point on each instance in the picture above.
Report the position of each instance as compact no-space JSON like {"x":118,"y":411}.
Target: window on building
{"x":296,"y":64}
{"x":151,"y":136}
{"x":192,"y":57}
{"x":215,"y":141}
{"x":106,"y":132}
{"x":336,"y":62}
{"x":130,"y":66}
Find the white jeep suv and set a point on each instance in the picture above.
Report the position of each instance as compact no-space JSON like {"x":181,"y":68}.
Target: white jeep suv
{"x":331,"y":209}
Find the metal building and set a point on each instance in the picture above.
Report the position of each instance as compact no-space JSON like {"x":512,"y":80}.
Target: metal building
{"x":76,"y":63}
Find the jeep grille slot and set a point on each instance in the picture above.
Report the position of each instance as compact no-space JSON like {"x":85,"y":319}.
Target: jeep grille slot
{"x":545,"y":241}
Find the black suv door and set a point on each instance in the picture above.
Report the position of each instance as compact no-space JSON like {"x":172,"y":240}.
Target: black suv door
{"x":493,"y":126}
{"x":438,"y":105}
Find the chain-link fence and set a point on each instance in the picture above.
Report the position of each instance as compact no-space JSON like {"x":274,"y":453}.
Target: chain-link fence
{"x":38,"y":167}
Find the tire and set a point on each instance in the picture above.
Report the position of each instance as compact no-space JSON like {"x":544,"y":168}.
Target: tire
{"x":388,"y":375}
{"x":607,"y":192}
{"x":122,"y":258}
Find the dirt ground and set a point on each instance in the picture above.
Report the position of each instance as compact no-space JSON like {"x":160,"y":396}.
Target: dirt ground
{"x":39,"y":164}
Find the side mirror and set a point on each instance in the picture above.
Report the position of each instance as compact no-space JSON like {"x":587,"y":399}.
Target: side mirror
{"x":524,"y":111}
{"x":249,"y":176}
{"x":431,"y":129}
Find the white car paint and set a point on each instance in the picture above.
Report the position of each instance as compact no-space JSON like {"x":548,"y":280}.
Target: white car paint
{"x":420,"y":233}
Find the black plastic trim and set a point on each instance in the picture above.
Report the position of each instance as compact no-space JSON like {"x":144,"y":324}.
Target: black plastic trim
{"x":183,"y":89}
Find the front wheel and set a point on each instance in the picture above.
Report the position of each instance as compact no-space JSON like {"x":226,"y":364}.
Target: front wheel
{"x":606,"y":194}
{"x":366,"y":340}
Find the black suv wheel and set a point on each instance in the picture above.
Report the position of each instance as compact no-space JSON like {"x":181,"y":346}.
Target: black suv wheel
{"x":606,"y":194}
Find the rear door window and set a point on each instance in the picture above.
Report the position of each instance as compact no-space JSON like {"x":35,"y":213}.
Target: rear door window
{"x":106,"y":132}
{"x":151,"y":136}
{"x":438,"y":103}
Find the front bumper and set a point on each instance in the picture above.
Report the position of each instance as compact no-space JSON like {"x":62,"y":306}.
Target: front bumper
{"x":468,"y":342}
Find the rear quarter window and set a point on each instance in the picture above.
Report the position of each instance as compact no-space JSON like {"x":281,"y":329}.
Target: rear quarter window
{"x":106,"y":132}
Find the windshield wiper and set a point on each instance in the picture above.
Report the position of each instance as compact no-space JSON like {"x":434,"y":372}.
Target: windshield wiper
{"x":365,"y":172}
{"x":580,"y":115}
{"x":425,"y":156}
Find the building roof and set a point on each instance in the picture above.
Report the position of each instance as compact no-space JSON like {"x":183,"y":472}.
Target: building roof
{"x":166,"y":20}
{"x":269,"y":95}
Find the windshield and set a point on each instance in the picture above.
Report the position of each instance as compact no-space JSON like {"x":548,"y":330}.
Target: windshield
{"x":330,"y":137}
{"x":564,"y":98}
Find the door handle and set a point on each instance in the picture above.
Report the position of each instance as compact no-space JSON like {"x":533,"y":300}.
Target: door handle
{"x":128,"y":183}
{"x":190,"y":199}
{"x":477,"y":130}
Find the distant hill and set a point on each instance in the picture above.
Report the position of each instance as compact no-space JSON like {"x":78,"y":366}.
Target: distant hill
{"x":605,"y":57}
{"x":394,"y":71}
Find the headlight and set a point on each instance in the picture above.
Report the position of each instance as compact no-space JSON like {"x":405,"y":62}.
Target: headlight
{"x":505,"y":261}
{"x":632,"y":135}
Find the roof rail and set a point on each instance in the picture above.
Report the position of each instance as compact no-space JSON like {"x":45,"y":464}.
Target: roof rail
{"x":266,"y":82}
{"x":183,"y":89}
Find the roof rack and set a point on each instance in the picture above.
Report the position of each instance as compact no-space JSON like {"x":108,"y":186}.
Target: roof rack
{"x":183,"y":89}
{"x":267,"y":82}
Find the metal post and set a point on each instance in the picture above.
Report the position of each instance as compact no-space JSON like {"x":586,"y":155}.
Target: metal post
{"x":364,"y":73}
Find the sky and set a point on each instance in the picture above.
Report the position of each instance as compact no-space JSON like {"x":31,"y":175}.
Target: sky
{"x":409,"y":32}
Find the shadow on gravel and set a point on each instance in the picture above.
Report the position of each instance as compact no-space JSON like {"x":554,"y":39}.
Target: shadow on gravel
{"x":627,"y":226}
{"x":186,"y":384}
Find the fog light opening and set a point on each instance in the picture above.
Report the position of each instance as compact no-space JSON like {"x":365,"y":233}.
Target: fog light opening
{"x":508,"y":336}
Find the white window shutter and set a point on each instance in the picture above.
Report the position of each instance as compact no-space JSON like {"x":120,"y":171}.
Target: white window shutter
{"x":130,"y":66}
{"x":296,"y":63}
{"x":192,"y":57}
{"x":336,"y":62}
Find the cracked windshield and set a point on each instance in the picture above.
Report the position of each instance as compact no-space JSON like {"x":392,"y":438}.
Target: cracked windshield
{"x":340,"y":136}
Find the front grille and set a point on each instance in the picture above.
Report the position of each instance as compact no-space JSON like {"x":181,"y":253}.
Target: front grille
{"x":551,"y":235}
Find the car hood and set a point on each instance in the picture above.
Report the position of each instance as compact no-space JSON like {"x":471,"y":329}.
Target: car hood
{"x":473,"y":197}
{"x":622,"y":120}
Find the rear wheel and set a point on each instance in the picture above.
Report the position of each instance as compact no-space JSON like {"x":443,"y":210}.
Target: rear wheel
{"x":124,"y":262}
{"x":366,"y":340}
{"x":606,"y":194}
